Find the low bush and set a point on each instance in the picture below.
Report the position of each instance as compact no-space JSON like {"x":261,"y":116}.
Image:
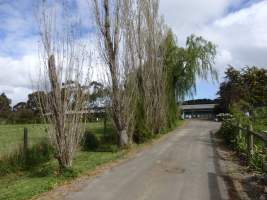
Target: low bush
{"x":69,"y":173}
{"x":39,"y":153}
{"x":43,"y":170}
{"x":108,"y":148}
{"x":237,"y":141}
{"x":257,"y":157}
{"x":228,"y":132}
{"x":110,"y":137}
{"x":19,"y":160}
{"x":142,"y":133}
{"x":90,"y":142}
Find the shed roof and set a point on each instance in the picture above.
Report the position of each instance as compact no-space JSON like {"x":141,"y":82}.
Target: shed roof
{"x":198,"y":106}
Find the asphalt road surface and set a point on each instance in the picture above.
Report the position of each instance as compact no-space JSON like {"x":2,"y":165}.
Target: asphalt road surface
{"x":183,"y":166}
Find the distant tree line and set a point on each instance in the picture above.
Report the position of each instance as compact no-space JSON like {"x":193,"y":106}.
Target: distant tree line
{"x":22,"y":112}
{"x":31,"y":110}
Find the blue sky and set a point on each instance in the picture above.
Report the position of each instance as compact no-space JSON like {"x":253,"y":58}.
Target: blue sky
{"x":237,"y":27}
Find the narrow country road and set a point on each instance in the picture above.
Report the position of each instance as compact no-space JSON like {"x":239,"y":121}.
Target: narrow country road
{"x":183,"y":166}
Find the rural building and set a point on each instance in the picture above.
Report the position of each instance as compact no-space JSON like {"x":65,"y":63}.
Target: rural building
{"x":201,"y":111}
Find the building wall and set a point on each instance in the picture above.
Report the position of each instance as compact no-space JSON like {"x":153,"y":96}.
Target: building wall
{"x":198,"y":114}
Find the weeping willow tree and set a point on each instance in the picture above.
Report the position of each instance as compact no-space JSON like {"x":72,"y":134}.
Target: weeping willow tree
{"x":183,"y":65}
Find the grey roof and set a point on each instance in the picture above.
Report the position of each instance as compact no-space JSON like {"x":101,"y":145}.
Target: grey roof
{"x":198,"y":106}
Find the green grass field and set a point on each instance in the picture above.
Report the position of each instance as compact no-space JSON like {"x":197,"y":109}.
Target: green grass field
{"x":28,"y":184}
{"x":11,"y":136}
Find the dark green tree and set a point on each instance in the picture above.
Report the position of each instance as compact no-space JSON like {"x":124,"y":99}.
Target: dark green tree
{"x":231,"y":90}
{"x":247,"y":87}
{"x":22,"y":114}
{"x":5,"y":108}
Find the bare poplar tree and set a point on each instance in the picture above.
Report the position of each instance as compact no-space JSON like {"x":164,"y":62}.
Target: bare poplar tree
{"x":64,"y":79}
{"x":136,"y":72}
{"x":108,"y":21}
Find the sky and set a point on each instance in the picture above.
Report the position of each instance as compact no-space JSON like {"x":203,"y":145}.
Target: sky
{"x":237,"y":27}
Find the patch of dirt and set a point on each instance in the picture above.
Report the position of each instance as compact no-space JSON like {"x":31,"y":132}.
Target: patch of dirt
{"x":242,"y":182}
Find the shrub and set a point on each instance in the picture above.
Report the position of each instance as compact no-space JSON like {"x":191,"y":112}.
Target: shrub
{"x":90,"y":142}
{"x":141,"y":136}
{"x":38,"y":154}
{"x":110,"y":137}
{"x":69,"y":173}
{"x":258,"y":157}
{"x":228,"y":132}
{"x":238,"y":142}
{"x":43,"y":170}
{"x":35,"y":156}
{"x":108,"y":148}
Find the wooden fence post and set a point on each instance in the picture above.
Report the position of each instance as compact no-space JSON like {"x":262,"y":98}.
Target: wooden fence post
{"x":25,"y":141}
{"x":251,"y":138}
{"x":248,"y":144}
{"x":239,"y":136}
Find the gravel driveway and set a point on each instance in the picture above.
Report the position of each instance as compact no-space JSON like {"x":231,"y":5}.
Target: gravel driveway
{"x":183,"y":166}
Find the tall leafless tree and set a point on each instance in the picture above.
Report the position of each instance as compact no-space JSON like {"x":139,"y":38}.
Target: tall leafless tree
{"x":64,"y":79}
{"x":136,"y":27}
{"x":108,"y":20}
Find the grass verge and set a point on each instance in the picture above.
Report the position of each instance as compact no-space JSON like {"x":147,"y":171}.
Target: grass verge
{"x":29,"y":184}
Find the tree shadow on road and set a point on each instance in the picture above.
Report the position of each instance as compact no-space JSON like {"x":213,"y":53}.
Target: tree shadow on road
{"x":213,"y":178}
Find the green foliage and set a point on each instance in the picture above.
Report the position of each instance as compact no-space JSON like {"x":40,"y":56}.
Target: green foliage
{"x":26,"y":160}
{"x":236,"y":98}
{"x":43,"y":170}
{"x":195,"y":60}
{"x":142,"y":132}
{"x":228,"y":132}
{"x":142,"y":135}
{"x":260,"y":119}
{"x":22,"y":112}
{"x":257,"y":157}
{"x":38,"y":154}
{"x":237,"y":141}
{"x":246,"y":86}
{"x":182,"y":67}
{"x":90,"y":142}
{"x":69,"y":173}
{"x":5,"y":108}
{"x":238,"y":110}
{"x":108,"y":148}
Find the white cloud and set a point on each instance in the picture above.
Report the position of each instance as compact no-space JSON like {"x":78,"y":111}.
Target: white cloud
{"x":241,"y":35}
{"x":188,"y":16}
{"x":15,"y":76}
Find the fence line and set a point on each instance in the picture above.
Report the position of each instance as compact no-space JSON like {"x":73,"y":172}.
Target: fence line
{"x":250,"y":136}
